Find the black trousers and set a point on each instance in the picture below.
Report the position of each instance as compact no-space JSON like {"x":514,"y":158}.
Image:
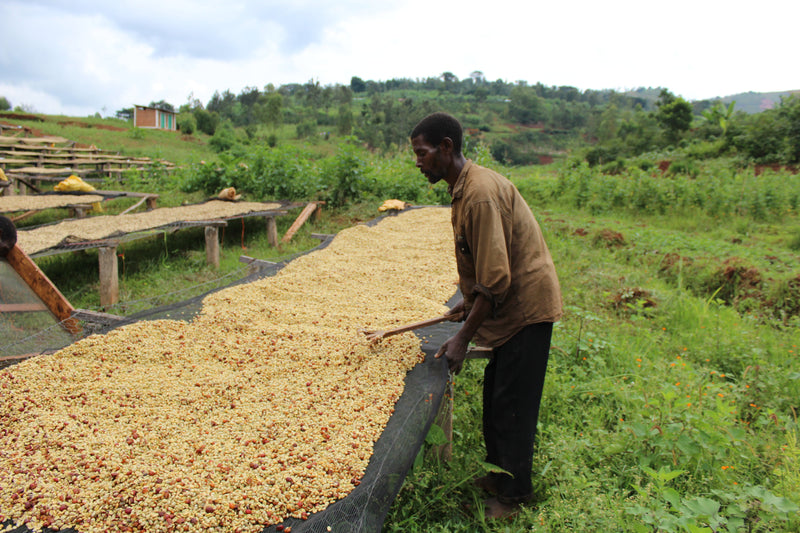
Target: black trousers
{"x":512,"y":393}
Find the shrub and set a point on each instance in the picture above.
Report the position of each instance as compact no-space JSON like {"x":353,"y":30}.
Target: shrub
{"x":223,"y":139}
{"x":349,"y":180}
{"x":187,"y":123}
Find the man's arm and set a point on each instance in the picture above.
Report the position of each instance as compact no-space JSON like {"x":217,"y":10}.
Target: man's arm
{"x":455,"y":348}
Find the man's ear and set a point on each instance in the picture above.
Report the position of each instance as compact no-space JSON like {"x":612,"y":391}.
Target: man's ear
{"x":446,"y":145}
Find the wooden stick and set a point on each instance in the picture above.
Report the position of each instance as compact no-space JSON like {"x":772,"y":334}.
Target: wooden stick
{"x":309,"y":209}
{"x":378,"y":335}
{"x":134,"y":206}
{"x":42,"y":286}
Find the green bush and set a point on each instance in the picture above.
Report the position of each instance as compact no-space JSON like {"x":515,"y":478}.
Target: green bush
{"x":223,"y":139}
{"x":348,"y":178}
{"x":187,"y":124}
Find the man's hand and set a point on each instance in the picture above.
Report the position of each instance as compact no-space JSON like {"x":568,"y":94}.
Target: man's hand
{"x":455,"y":351}
{"x":455,"y":348}
{"x":456,"y":314}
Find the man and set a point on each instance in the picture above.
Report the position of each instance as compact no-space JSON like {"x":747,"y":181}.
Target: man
{"x":511,"y":299}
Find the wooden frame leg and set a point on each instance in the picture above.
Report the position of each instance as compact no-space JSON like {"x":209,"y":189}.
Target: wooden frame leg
{"x":212,"y":246}
{"x":272,"y":231}
{"x":109,"y":276}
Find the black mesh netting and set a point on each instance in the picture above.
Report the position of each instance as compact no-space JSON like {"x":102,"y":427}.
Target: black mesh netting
{"x":366,"y":507}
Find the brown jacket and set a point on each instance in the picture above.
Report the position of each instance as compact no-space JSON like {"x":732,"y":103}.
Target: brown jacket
{"x":501,"y":253}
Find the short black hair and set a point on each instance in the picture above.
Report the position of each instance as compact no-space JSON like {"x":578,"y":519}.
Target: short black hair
{"x":8,"y":236}
{"x":437,"y":126}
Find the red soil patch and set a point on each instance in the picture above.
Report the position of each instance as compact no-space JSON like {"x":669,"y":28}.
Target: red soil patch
{"x":610,"y":238}
{"x":22,"y":116}
{"x":96,"y":126}
{"x":759,"y":169}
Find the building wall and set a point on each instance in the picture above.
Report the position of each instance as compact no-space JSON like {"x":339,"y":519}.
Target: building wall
{"x":148,"y":117}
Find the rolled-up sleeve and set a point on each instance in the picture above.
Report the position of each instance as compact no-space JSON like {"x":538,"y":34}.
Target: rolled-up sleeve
{"x":485,"y":233}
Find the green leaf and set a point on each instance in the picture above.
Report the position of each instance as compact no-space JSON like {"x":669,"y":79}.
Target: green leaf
{"x":672,"y":496}
{"x":418,"y":459}
{"x":668,"y":475}
{"x":436,"y":436}
{"x":687,"y":445}
{"x":703,"y":506}
{"x":489,"y":467}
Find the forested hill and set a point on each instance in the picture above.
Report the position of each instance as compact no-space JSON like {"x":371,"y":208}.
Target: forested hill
{"x":521,"y":124}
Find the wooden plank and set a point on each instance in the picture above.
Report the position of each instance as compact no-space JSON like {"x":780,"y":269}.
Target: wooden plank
{"x":42,"y":286}
{"x":23,"y":308}
{"x":307,"y":212}
{"x":96,"y":317}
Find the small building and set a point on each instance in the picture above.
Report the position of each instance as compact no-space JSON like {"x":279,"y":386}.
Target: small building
{"x":153,"y":117}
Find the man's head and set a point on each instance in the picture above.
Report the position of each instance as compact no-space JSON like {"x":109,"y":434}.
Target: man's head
{"x":436,"y":142}
{"x":8,"y":236}
{"x":436,"y":126}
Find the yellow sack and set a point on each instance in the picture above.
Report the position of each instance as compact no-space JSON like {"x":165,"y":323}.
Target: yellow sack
{"x":228,"y":193}
{"x":397,"y":205}
{"x":72,"y":184}
{"x":3,"y":175}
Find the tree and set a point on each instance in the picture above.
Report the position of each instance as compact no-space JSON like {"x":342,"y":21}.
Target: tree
{"x":478,"y":77}
{"x":5,"y":105}
{"x":525,"y":107}
{"x":270,"y":109}
{"x":207,"y":121}
{"x":450,"y":81}
{"x":789,"y":113}
{"x":674,"y":114}
{"x":357,"y":85}
{"x":163,"y":105}
{"x":126,"y":113}
{"x":720,"y":115}
{"x":344,"y":120}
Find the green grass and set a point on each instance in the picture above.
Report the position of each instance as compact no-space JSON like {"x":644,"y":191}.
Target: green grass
{"x":655,"y":418}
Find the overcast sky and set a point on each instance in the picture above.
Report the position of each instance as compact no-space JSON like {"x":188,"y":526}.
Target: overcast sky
{"x":79,"y":57}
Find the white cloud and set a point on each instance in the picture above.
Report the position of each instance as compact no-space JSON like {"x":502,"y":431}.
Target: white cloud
{"x":85,"y":55}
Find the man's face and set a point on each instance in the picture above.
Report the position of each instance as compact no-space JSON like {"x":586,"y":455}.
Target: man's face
{"x":430,"y":160}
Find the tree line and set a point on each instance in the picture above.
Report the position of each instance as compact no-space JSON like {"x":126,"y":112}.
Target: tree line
{"x":521,"y":123}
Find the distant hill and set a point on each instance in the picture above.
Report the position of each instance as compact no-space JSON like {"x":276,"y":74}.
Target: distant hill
{"x":751,"y":102}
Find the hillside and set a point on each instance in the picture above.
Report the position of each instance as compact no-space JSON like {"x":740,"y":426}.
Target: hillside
{"x":751,"y":102}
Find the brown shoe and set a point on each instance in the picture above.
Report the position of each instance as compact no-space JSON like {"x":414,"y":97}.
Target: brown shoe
{"x":494,"y":509}
{"x":486,"y":483}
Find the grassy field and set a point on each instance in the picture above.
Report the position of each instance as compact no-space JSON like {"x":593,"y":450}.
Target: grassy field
{"x":672,"y":390}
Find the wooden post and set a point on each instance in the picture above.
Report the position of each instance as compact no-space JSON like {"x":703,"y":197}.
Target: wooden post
{"x":109,"y":276}
{"x":444,"y":419}
{"x":212,"y":246}
{"x":272,"y":231}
